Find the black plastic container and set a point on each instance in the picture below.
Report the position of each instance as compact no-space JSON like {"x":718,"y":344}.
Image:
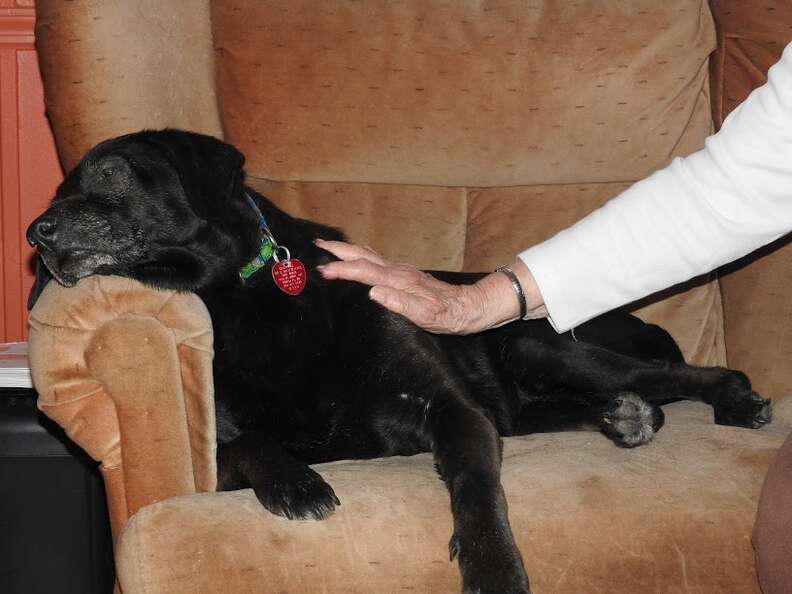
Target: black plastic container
{"x":54,"y":530}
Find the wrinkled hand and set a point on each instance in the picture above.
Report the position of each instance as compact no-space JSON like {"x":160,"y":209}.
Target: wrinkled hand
{"x":432,"y":304}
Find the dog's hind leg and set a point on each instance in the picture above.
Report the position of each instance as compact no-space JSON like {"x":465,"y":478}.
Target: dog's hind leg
{"x":628,"y":335}
{"x":467,"y":453}
{"x":626,"y":418}
{"x":563,"y":367}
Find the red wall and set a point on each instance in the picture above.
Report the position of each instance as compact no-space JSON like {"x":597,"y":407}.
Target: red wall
{"x":29,"y":169}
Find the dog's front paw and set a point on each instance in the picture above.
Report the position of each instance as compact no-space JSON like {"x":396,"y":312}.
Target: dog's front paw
{"x":489,"y":569}
{"x":300,"y":494}
{"x":630,"y":421}
{"x":750,"y":411}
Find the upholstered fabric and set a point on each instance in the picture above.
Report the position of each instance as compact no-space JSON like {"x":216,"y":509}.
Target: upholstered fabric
{"x":671,"y":517}
{"x":126,"y":370}
{"x":115,"y":67}
{"x":751,"y":36}
{"x":424,"y":225}
{"x":462,"y":93}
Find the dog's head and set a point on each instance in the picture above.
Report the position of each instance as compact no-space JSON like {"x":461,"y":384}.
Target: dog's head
{"x":165,"y":207}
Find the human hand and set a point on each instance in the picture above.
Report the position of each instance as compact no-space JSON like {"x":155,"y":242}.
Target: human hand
{"x":430,"y":303}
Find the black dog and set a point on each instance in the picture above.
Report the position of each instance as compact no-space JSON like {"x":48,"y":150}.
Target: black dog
{"x":328,"y":374}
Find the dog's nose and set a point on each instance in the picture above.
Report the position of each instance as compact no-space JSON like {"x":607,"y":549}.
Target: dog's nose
{"x":42,"y":230}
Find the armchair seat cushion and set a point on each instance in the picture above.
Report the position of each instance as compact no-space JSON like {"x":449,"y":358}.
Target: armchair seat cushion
{"x":672,"y":516}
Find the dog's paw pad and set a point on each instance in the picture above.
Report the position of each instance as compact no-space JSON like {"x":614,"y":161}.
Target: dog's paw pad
{"x":630,"y":421}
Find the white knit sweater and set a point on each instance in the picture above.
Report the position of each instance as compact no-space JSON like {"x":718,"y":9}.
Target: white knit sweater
{"x":702,"y":211}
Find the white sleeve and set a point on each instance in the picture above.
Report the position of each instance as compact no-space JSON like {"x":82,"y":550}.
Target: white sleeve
{"x":702,"y":211}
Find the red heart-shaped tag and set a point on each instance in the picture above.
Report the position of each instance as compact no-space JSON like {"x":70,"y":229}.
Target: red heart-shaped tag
{"x":290,"y":276}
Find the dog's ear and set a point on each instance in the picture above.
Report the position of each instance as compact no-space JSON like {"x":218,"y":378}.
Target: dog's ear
{"x":42,"y":277}
{"x":210,"y":170}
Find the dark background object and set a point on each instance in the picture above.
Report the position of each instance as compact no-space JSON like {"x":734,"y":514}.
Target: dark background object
{"x":54,"y":532}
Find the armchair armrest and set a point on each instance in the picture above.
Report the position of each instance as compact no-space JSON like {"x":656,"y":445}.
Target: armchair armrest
{"x":126,"y":370}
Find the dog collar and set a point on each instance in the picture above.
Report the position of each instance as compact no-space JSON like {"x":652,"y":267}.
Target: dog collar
{"x":288,"y":273}
{"x":267,"y":247}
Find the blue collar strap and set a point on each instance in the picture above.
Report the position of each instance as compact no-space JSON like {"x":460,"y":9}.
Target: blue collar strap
{"x":266,"y":248}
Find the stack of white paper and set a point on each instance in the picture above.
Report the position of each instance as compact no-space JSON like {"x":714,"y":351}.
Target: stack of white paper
{"x":14,"y":367}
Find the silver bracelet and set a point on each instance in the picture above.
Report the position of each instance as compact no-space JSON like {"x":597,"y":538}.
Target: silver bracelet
{"x":515,"y":282}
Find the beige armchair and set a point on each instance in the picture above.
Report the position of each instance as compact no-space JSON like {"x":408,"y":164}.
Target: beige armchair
{"x":449,"y":134}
